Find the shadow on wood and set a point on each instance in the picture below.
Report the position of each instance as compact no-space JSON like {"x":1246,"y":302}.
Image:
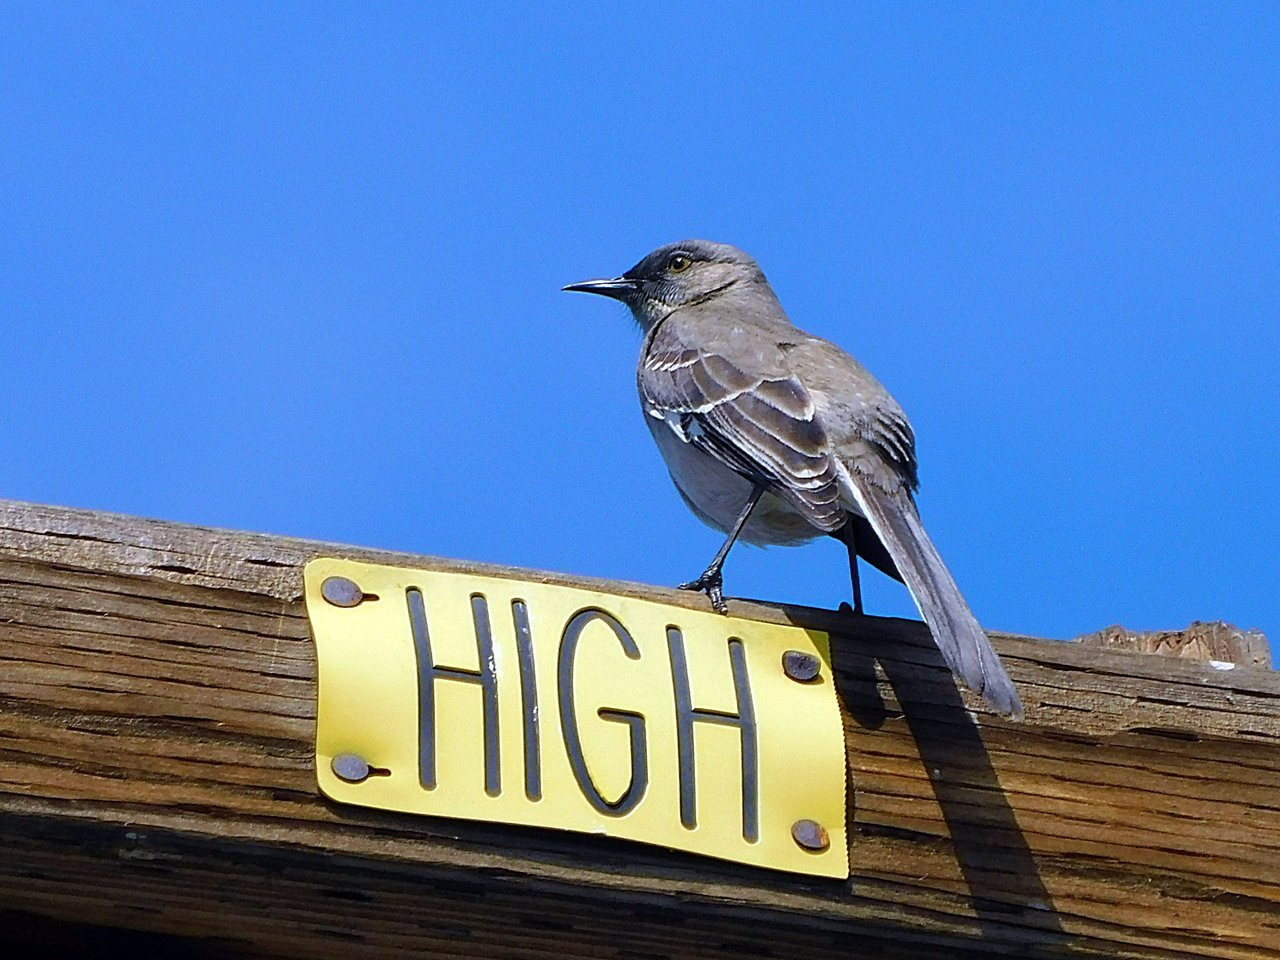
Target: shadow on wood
{"x":994,"y":858}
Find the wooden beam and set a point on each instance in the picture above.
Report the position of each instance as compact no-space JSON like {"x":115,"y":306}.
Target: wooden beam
{"x":157,"y":707}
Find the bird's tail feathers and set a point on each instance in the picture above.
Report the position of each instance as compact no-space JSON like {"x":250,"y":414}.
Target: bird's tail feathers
{"x":955,"y":629}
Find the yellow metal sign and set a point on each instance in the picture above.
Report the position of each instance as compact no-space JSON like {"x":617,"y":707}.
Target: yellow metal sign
{"x":509,"y":701}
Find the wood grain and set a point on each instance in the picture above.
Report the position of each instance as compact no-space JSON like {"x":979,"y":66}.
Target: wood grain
{"x":157,"y":705}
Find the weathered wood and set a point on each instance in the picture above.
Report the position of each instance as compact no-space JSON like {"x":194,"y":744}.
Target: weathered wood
{"x":1200,"y":641}
{"x":156,"y":773}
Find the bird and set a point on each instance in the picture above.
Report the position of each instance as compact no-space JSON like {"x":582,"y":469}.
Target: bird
{"x":776,"y":437}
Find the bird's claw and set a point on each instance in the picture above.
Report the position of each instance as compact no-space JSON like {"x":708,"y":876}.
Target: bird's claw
{"x":711,"y":583}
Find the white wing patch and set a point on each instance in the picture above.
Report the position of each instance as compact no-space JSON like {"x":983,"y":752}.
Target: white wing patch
{"x":686,"y":428}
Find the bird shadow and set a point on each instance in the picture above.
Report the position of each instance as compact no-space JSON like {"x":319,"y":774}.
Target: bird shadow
{"x":1003,"y":880}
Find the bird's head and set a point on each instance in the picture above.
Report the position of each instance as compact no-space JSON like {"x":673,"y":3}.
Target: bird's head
{"x":678,"y":275}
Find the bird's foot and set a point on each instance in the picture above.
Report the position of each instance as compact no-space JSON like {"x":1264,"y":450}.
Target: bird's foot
{"x":711,"y":583}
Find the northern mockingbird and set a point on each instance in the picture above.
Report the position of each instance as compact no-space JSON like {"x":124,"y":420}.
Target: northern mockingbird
{"x":778,"y":437}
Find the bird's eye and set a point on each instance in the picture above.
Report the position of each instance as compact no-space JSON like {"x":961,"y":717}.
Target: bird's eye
{"x":679,"y":263}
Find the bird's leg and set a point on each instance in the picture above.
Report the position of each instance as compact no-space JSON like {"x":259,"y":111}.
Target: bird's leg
{"x":711,"y":582}
{"x":851,"y":541}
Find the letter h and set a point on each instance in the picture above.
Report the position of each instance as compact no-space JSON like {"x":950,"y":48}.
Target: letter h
{"x":744,"y":720}
{"x":486,"y":677}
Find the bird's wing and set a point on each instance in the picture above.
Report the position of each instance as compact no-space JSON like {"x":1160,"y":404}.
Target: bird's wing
{"x":886,"y":429}
{"x":737,"y":401}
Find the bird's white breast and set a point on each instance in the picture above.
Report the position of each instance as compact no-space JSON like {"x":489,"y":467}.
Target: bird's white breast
{"x":715,"y":493}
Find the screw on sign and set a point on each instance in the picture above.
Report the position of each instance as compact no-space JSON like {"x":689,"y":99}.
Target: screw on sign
{"x":800,"y":666}
{"x":349,"y":767}
{"x":342,"y":592}
{"x":810,"y":835}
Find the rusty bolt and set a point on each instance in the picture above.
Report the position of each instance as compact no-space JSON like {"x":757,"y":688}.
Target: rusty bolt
{"x":810,"y":835}
{"x":341,"y":592}
{"x":350,"y":767}
{"x":800,"y":666}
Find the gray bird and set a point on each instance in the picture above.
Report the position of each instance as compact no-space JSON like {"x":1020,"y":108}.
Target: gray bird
{"x":778,"y":437}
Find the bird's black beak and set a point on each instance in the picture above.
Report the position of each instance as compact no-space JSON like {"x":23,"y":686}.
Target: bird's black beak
{"x":619,"y":288}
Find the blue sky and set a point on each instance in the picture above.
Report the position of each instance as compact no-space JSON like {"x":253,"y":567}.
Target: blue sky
{"x":296,"y":267}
